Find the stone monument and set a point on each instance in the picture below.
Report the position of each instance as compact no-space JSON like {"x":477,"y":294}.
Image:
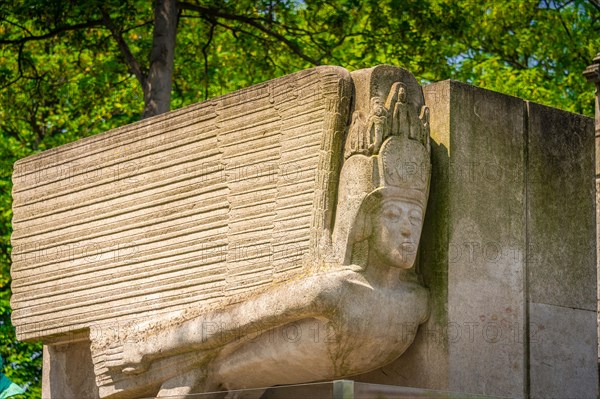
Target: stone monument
{"x":273,"y":236}
{"x":592,"y":74}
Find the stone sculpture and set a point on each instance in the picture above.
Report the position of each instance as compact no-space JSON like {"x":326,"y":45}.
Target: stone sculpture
{"x":315,"y":321}
{"x":270,"y":236}
{"x":322,"y":326}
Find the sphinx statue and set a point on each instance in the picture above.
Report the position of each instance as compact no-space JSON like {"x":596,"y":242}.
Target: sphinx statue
{"x":271,"y":237}
{"x":265,"y":237}
{"x":345,"y":318}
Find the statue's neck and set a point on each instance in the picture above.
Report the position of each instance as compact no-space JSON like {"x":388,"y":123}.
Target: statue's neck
{"x":379,"y":273}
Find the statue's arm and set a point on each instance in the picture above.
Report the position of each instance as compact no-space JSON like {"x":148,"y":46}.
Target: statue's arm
{"x":279,"y":305}
{"x":285,"y":303}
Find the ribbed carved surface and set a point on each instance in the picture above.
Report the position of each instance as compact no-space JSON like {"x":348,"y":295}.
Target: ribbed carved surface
{"x":188,"y":209}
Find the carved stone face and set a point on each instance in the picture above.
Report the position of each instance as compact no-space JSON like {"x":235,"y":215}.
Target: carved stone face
{"x":396,"y":232}
{"x":377,"y":107}
{"x":402,"y":94}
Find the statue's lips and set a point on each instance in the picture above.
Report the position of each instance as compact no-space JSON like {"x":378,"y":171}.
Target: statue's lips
{"x":408,"y":246}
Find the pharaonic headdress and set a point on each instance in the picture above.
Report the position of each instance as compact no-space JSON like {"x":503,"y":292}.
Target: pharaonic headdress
{"x":386,"y":155}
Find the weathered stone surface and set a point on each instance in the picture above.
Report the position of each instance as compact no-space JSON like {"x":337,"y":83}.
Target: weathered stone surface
{"x":508,"y":170}
{"x":425,"y":363}
{"x":592,"y":73}
{"x":486,"y":241}
{"x":68,"y":371}
{"x":213,"y":298}
{"x":562,"y":267}
{"x":561,"y":196}
{"x":597,"y":144}
{"x":205,"y":204}
{"x":473,"y":252}
{"x":563,"y":363}
{"x":598,"y":249}
{"x":244,"y":307}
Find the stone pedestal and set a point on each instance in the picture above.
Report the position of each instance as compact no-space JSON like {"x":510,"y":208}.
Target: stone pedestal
{"x":68,"y":371}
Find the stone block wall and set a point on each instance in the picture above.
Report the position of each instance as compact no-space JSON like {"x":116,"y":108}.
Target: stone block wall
{"x":508,"y":251}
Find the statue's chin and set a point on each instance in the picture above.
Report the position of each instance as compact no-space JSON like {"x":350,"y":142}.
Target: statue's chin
{"x":400,"y":256}
{"x":400,"y":261}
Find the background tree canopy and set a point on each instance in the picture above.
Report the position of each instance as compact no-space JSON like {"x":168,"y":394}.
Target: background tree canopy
{"x":70,"y":69}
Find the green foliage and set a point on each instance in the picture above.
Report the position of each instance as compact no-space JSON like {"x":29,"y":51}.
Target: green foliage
{"x":22,"y":361}
{"x":77,"y":83}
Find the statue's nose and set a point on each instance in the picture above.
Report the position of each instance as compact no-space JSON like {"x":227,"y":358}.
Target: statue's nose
{"x":405,"y":228}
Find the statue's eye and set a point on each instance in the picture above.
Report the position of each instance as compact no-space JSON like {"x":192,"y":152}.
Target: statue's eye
{"x":415,"y":216}
{"x":392,"y":213}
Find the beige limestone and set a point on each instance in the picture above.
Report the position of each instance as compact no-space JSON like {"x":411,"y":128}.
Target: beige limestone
{"x":562,"y":361}
{"x":487,"y":242}
{"x":592,"y":74}
{"x":301,"y":284}
{"x":561,"y":183}
{"x":256,"y":314}
{"x":203,"y":205}
{"x":68,"y":371}
{"x":562,"y":292}
{"x":508,"y":241}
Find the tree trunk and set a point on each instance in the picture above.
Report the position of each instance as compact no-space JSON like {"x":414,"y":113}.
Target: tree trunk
{"x":157,"y":87}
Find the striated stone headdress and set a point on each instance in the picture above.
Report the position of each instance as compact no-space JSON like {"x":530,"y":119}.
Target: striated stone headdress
{"x":387,"y":154}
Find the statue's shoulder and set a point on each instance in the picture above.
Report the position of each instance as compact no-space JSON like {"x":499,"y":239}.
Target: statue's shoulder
{"x":329,"y":286}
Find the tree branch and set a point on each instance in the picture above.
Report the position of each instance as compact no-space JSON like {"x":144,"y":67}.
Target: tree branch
{"x":17,"y":25}
{"x":53,"y":33}
{"x":252,"y":22}
{"x":137,"y":26}
{"x":20,"y":54}
{"x":205,"y":54}
{"x":135,"y":67}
